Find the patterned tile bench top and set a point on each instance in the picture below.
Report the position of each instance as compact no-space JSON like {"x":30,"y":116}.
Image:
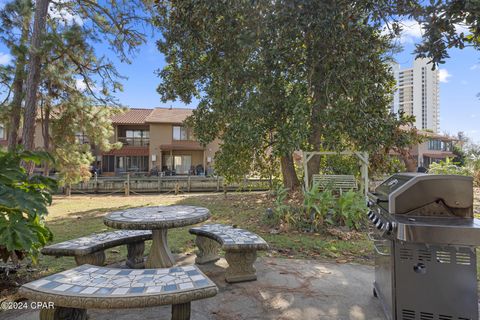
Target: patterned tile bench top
{"x":96,"y":242}
{"x":157,"y":217}
{"x":89,"y":286}
{"x":231,"y":238}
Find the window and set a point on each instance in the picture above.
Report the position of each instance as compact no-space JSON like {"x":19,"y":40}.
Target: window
{"x":181,"y":164}
{"x":137,"y":138}
{"x":108,"y":164}
{"x":181,"y":133}
{"x":132,"y":163}
{"x":81,"y":138}
{"x":2,"y":131}
{"x":440,"y":145}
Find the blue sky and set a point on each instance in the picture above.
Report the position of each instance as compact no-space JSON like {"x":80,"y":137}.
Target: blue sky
{"x":460,"y":75}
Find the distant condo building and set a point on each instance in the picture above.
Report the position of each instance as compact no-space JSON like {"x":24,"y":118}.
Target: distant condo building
{"x":417,"y":94}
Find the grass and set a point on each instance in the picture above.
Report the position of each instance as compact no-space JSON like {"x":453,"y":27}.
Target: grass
{"x":83,"y":215}
{"x":76,"y":216}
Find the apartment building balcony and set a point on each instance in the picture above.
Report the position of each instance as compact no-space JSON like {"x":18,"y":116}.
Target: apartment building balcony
{"x":134,"y":142}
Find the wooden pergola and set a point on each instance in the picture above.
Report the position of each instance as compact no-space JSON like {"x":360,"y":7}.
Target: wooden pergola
{"x":362,"y":156}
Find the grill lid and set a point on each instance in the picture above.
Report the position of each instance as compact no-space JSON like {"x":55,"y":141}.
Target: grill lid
{"x":423,"y":194}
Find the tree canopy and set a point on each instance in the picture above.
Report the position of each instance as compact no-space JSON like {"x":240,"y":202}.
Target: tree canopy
{"x":274,"y":77}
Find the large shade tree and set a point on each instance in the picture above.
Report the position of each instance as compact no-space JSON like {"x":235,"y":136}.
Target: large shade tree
{"x":118,"y":23}
{"x":57,"y":72}
{"x":273,"y":77}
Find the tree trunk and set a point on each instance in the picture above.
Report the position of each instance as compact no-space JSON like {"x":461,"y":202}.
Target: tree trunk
{"x":46,"y":134}
{"x":18,"y":92}
{"x":315,"y":141}
{"x":33,"y":80}
{"x":290,"y":179}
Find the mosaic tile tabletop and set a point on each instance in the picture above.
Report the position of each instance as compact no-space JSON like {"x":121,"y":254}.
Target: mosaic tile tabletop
{"x":95,"y":242}
{"x":158,"y":217}
{"x":90,"y":285}
{"x":230,"y":237}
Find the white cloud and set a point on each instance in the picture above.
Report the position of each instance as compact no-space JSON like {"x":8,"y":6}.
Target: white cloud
{"x":5,"y":58}
{"x":80,"y":84}
{"x":475,"y":67}
{"x":443,"y":75}
{"x":412,"y":31}
{"x":59,"y":12}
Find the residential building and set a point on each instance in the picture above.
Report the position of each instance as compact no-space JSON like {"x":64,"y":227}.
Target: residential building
{"x":417,"y":94}
{"x":151,"y":139}
{"x":156,"y":139}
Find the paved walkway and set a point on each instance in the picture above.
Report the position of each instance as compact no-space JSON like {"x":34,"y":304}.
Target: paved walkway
{"x":285,"y":290}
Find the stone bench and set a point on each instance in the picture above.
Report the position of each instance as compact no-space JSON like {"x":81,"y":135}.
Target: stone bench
{"x":74,"y":291}
{"x":240,"y":247}
{"x":90,"y":249}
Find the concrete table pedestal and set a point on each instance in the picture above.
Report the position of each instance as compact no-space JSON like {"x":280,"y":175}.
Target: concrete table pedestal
{"x":158,"y":219}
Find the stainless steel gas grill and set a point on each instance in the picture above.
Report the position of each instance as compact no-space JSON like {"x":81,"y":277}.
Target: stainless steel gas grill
{"x":424,"y":237}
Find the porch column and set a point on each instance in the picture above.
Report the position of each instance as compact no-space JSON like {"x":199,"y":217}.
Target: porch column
{"x":159,"y":161}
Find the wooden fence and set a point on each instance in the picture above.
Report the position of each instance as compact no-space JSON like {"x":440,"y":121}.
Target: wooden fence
{"x":174,"y":184}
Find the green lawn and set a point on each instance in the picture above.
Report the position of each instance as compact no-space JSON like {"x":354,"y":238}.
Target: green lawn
{"x":82,"y":215}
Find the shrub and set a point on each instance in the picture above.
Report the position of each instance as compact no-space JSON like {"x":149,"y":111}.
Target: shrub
{"x":448,"y":167}
{"x":23,"y":206}
{"x":350,"y":210}
{"x":345,"y":209}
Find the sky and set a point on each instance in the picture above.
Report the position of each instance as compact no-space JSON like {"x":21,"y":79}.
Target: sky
{"x":459,"y":80}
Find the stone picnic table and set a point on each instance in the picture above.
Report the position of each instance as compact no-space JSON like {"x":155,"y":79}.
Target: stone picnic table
{"x":158,"y":219}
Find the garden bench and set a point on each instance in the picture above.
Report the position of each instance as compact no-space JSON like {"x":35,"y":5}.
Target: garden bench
{"x":240,"y":249}
{"x":74,"y":291}
{"x":335,"y":182}
{"x":90,"y":249}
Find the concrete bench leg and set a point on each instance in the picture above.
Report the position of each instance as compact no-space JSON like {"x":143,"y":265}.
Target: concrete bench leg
{"x":207,"y":250}
{"x":240,"y":266}
{"x":181,"y":311}
{"x":135,"y":255}
{"x":96,"y":259}
{"x":61,"y":313}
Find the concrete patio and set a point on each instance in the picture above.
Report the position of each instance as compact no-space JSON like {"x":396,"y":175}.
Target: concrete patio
{"x":285,"y":289}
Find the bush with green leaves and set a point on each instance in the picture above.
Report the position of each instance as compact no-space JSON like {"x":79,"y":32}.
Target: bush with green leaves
{"x":23,"y":205}
{"x":448,"y":167}
{"x":350,"y":210}
{"x":318,"y":208}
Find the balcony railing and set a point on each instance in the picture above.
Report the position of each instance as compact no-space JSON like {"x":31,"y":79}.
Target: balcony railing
{"x":134,"y":142}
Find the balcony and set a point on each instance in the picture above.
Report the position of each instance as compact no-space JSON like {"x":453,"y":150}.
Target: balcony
{"x":134,"y":142}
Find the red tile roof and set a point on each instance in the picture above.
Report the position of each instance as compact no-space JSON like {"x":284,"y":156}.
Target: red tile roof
{"x":165,"y":115}
{"x":128,"y":151}
{"x":132,"y":116}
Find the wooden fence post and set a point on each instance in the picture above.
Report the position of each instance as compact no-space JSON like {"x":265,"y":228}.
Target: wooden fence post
{"x":95,"y":184}
{"x":127,"y":185}
{"x":189,"y":185}
{"x":159,"y":183}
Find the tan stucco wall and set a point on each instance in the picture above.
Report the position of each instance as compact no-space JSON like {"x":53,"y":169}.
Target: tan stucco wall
{"x":159,"y":134}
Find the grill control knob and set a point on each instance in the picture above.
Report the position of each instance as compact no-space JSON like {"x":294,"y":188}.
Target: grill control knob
{"x":379,"y":225}
{"x":370,"y":214}
{"x":388,"y":227}
{"x":375,"y":220}
{"x":369,"y":203}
